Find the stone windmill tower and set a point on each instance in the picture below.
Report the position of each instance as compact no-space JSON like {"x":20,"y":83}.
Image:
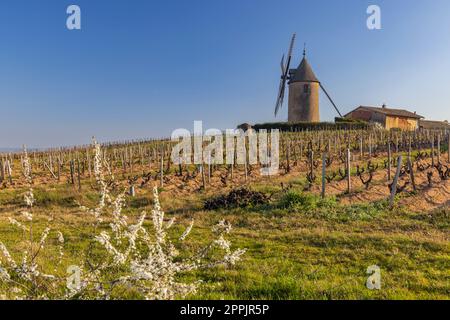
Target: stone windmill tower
{"x":303,"y":103}
{"x":304,"y":87}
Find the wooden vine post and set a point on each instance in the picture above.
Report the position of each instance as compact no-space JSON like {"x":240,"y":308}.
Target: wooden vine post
{"x":324,"y":169}
{"x":209,"y":168}
{"x":78,"y":175}
{"x":389,"y":166}
{"x":410,"y":166}
{"x":161,"y":169}
{"x":72,"y":171}
{"x":2,"y":171}
{"x":245,"y":168}
{"x":432,"y":152}
{"x":288,"y":153}
{"x":349,"y":173}
{"x":394,"y":184}
{"x":439,"y":148}
{"x":448,"y":146}
{"x":311,"y":167}
{"x":361,"y":149}
{"x":202,"y":168}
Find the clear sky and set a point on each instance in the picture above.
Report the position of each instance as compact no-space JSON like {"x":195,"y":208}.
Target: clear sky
{"x":141,"y":69}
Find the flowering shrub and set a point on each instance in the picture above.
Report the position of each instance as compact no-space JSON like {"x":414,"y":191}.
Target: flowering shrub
{"x":121,"y":255}
{"x":145,"y":257}
{"x":26,"y":279}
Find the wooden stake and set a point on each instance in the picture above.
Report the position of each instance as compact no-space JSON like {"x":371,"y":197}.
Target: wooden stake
{"x":389,"y":162}
{"x":203,"y":176}
{"x":394,"y":184}
{"x":439,"y":148}
{"x":78,"y":175}
{"x":2,"y":171}
{"x":288,"y":151}
{"x":324,"y":169}
{"x":161,"y":168}
{"x":432,"y":151}
{"x":72,"y":169}
{"x":349,"y":169}
{"x":448,"y":137}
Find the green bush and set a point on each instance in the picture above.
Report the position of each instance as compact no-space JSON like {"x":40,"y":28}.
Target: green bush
{"x":304,"y":202}
{"x":314,"y":206}
{"x":313,"y":126}
{"x":364,"y":211}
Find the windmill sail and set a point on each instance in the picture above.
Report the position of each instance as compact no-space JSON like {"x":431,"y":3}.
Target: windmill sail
{"x":284,"y":75}
{"x":283,"y":67}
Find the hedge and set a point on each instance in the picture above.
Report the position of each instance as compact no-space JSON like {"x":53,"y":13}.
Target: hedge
{"x":340,"y":124}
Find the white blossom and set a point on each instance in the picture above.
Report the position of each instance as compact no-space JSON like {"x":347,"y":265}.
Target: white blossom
{"x":27,"y":215}
{"x":187,"y":231}
{"x":16,"y":223}
{"x":146,"y":258}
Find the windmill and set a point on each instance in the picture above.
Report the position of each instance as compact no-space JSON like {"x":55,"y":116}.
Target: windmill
{"x":303,"y":89}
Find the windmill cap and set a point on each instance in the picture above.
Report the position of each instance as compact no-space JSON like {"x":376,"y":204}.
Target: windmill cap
{"x":303,"y":73}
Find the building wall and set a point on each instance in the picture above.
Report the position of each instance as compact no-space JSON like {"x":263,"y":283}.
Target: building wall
{"x":401,"y":123}
{"x":368,"y":116}
{"x":388,"y":122}
{"x":303,"y":106}
{"x":361,"y":115}
{"x":434,"y":125}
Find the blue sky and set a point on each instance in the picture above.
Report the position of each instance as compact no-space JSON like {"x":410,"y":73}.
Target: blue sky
{"x":141,"y":69}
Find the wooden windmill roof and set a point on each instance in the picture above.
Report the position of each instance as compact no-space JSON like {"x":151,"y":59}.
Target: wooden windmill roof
{"x":303,"y":73}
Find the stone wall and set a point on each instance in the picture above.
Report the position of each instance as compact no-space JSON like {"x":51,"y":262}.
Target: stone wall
{"x":304,"y":106}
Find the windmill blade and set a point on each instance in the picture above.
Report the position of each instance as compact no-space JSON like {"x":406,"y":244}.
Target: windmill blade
{"x":291,"y":47}
{"x":284,"y":75}
{"x":283,"y":67}
{"x":331,"y":100}
{"x":280,"y":96}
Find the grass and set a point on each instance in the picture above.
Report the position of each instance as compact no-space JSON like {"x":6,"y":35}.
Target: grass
{"x":299,"y":245}
{"x":319,"y":259}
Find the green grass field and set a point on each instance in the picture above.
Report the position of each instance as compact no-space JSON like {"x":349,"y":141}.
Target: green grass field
{"x":298,"y":246}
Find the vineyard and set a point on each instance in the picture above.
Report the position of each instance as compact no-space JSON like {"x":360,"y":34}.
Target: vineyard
{"x":343,"y":200}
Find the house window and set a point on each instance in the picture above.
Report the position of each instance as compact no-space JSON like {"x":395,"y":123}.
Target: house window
{"x":306,"y":88}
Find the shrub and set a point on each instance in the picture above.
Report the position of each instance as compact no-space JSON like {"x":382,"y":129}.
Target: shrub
{"x":147,"y":260}
{"x":237,"y":198}
{"x":123,"y":255}
{"x":328,"y":208}
{"x":301,"y":126}
{"x":304,"y":202}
